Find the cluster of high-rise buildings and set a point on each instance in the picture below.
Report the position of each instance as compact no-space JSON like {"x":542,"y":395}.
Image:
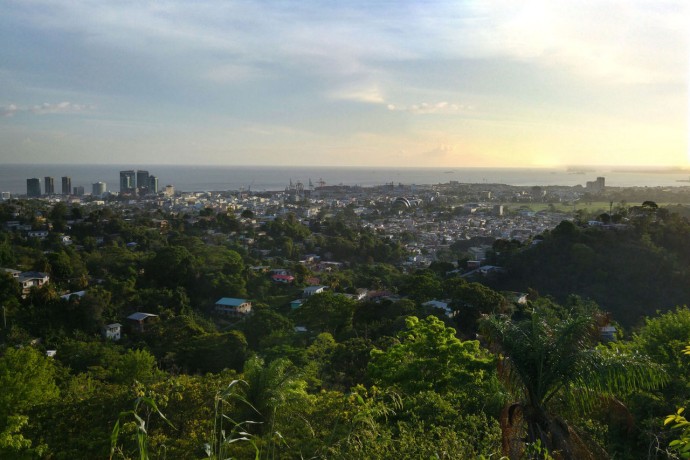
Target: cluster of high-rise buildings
{"x":132,"y":182}
{"x":33,"y":187}
{"x":138,"y":182}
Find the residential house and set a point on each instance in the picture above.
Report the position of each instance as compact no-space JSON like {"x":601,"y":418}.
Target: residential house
{"x":69,"y":295}
{"x":311,"y":290}
{"x":295,"y":304}
{"x":12,"y":272}
{"x":40,"y":234}
{"x":138,"y":320}
{"x":32,"y":279}
{"x":285,"y":279}
{"x":440,"y":305}
{"x":231,"y":306}
{"x":112,"y":331}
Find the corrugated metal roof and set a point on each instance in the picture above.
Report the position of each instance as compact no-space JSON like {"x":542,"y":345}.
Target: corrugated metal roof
{"x":138,"y":316}
{"x":230,"y":302}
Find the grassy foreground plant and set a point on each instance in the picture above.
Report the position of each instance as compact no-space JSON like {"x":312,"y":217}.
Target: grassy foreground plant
{"x":140,"y":427}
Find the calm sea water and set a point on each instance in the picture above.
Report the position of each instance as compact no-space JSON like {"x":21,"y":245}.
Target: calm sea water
{"x":205,"y":178}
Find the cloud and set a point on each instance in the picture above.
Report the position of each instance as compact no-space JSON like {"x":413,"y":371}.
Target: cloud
{"x":367,"y":94}
{"x":426,"y":108}
{"x":630,"y":41}
{"x":9,"y":111}
{"x":46,"y":109}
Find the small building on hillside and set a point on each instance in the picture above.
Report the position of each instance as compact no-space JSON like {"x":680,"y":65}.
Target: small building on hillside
{"x":12,"y":272}
{"x":284,"y":279}
{"x":441,"y":306}
{"x":112,"y":331}
{"x":311,"y":290}
{"x":231,"y":306}
{"x":40,"y":234}
{"x":69,"y":295}
{"x":295,"y":304}
{"x":138,"y":320}
{"x":32,"y":279}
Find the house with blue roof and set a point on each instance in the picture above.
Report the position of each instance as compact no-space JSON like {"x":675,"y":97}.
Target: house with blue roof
{"x":231,"y":306}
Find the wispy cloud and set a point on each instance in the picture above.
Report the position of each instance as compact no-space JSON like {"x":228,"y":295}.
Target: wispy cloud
{"x":426,"y":108}
{"x":46,"y":109}
{"x":9,"y":110}
{"x":370,"y":94}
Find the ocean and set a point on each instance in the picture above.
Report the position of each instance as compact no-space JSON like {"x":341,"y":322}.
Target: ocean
{"x":259,"y":178}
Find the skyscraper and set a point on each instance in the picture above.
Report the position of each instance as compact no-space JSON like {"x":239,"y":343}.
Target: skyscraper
{"x":143,"y":181}
{"x":49,"y":185}
{"x":78,"y":190}
{"x":153,"y":184}
{"x":128,"y":183}
{"x":66,"y":185}
{"x":33,"y":187}
{"x":98,"y":189}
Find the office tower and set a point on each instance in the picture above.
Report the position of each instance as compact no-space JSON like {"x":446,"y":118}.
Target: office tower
{"x":49,"y":185}
{"x":5,"y":196}
{"x":153,"y":184}
{"x":169,"y":190}
{"x":79,"y":190}
{"x":66,"y":185}
{"x":143,"y":181}
{"x":597,"y":186}
{"x":98,"y":189}
{"x":33,"y":187}
{"x":128,"y":181}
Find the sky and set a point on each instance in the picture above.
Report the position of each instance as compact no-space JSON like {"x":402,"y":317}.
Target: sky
{"x":491,"y":83}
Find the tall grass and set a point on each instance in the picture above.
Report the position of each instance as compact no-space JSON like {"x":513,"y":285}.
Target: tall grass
{"x":141,"y":433}
{"x":227,"y":431}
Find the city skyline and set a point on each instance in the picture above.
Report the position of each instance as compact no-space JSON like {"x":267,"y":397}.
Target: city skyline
{"x":484,"y":84}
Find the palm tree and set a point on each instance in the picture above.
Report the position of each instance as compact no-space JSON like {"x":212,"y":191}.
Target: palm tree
{"x":271,"y":398}
{"x":545,"y":359}
{"x":273,"y":389}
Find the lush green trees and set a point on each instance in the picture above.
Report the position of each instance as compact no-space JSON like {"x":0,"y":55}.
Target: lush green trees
{"x":548,"y":359}
{"x":6,"y":252}
{"x":662,"y":338}
{"x":212,"y":352}
{"x":470,"y":301}
{"x":630,"y":271}
{"x":326,"y":312}
{"x":27,"y":379}
{"x":265,"y":322}
{"x":135,"y":366}
{"x":368,"y":379}
{"x":373,"y":320}
{"x":428,"y":357}
{"x":172,"y":266}
{"x":10,"y":290}
{"x":421,"y":287}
